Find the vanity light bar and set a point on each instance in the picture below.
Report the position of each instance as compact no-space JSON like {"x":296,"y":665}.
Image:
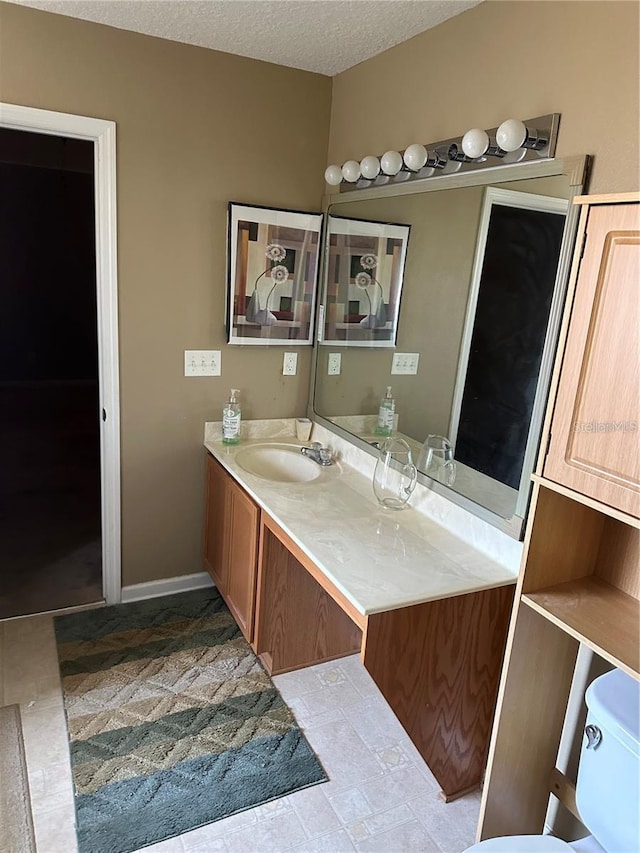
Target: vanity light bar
{"x":513,"y":142}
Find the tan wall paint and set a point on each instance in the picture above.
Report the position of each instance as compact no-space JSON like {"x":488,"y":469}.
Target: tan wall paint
{"x":497,"y":60}
{"x":186,"y":119}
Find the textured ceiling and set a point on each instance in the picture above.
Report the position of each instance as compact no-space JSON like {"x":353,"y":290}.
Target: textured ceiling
{"x":325,"y":36}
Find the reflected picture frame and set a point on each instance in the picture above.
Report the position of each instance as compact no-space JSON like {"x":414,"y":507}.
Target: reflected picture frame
{"x":272,"y":275}
{"x":364,"y":272}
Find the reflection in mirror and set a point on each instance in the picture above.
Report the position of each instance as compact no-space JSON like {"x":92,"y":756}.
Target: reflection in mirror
{"x":483,"y":291}
{"x":512,"y":285}
{"x":363,"y":281}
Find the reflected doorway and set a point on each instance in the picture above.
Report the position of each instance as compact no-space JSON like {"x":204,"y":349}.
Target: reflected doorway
{"x":50,"y":490}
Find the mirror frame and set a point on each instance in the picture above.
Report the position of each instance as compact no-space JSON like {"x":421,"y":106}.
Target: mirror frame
{"x":575,"y":168}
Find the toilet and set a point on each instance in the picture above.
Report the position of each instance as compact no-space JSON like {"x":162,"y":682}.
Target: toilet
{"x":608,"y":786}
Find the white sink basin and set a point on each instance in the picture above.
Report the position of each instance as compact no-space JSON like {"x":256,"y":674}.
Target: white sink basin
{"x":281,"y":463}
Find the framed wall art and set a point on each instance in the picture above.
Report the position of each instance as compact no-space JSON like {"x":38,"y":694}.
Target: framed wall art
{"x":365,"y":264}
{"x":272,"y":275}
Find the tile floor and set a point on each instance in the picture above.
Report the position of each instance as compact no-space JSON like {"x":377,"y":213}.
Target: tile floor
{"x":381,"y":795}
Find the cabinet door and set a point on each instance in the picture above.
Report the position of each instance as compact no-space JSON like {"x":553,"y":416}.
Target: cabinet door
{"x":243,"y":557}
{"x":215,"y":524}
{"x":594,"y":432}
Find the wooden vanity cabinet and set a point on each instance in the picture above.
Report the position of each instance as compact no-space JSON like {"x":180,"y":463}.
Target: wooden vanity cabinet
{"x":214,"y":550}
{"x":302,"y":618}
{"x":580,"y":577}
{"x":436,"y":663}
{"x":231,"y":544}
{"x":594,"y":442}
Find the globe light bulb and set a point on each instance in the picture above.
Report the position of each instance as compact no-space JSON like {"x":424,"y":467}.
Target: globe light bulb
{"x":370,"y":167}
{"x":391,"y":162}
{"x":415,"y":157}
{"x":511,"y":134}
{"x":475,"y":143}
{"x":333,"y":175}
{"x":351,"y":171}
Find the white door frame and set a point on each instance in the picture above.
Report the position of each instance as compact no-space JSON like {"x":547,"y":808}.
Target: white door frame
{"x":103,"y":134}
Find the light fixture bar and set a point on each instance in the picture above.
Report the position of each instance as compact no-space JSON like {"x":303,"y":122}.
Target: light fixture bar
{"x":510,"y":143}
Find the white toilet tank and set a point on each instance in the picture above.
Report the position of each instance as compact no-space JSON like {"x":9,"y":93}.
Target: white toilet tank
{"x":608,"y":787}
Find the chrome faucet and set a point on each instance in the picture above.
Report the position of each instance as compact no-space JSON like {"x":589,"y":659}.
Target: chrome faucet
{"x":319,"y":454}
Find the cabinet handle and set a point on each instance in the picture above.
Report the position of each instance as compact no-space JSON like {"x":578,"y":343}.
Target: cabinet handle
{"x":593,"y":735}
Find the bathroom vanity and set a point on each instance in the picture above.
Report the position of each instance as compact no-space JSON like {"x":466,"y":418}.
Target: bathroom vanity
{"x":315,"y":570}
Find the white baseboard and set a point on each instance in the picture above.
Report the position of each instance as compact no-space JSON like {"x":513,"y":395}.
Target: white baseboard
{"x":166,"y":586}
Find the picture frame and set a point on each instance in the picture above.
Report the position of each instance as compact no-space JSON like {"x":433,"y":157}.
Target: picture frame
{"x":272,"y":275}
{"x":364,"y":272}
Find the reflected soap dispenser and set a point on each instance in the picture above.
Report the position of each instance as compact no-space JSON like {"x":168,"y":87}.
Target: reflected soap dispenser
{"x":385,"y":414}
{"x":231,"y":417}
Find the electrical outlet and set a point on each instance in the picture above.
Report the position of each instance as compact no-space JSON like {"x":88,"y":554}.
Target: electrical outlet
{"x":333,"y":363}
{"x":404,"y":363}
{"x":290,"y":364}
{"x":202,"y":362}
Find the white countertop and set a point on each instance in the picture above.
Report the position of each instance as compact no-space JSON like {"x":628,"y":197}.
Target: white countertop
{"x":379,"y":559}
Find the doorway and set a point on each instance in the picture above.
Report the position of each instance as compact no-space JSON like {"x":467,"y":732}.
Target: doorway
{"x":59,"y":432}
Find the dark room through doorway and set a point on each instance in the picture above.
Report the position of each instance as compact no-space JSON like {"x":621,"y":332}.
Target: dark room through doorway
{"x":50,"y":485}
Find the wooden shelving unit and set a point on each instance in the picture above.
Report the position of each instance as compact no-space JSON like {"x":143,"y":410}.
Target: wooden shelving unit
{"x":631,"y":520}
{"x":581,"y":573}
{"x":580,"y":576}
{"x":597,"y":614}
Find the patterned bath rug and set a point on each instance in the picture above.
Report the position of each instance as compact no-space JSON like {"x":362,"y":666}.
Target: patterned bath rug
{"x":172,"y":721}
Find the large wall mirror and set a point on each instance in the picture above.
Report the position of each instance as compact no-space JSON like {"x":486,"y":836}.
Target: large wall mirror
{"x":483,"y":273}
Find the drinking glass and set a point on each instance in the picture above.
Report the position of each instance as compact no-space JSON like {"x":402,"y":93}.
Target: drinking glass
{"x":436,"y":459}
{"x":395,"y":474}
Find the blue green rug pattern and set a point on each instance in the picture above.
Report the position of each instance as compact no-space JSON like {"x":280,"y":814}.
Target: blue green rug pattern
{"x":173,"y":723}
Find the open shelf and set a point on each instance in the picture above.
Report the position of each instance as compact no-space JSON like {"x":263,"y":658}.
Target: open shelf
{"x":586,"y":501}
{"x":597,"y":614}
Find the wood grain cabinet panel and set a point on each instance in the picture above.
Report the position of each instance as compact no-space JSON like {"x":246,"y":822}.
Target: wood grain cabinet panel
{"x":231,"y":544}
{"x":594,"y":433}
{"x":215,"y":545}
{"x":438,"y":666}
{"x":299,"y":623}
{"x":243,"y":521}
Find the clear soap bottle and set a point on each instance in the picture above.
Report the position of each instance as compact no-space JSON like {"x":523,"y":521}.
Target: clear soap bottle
{"x":231,"y":417}
{"x":385,"y":414}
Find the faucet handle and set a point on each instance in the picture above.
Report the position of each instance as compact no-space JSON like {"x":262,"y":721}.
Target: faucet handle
{"x":315,"y":445}
{"x":325,"y":455}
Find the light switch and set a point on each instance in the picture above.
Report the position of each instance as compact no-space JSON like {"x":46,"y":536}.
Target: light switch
{"x":404,"y":363}
{"x":202,"y":362}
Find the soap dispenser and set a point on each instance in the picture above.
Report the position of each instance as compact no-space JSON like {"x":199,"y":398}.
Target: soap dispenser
{"x":231,"y":417}
{"x":385,"y":414}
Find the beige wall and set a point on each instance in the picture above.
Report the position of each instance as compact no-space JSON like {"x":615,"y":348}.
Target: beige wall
{"x":186,"y":120}
{"x":497,"y":60}
{"x":187,"y":117}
